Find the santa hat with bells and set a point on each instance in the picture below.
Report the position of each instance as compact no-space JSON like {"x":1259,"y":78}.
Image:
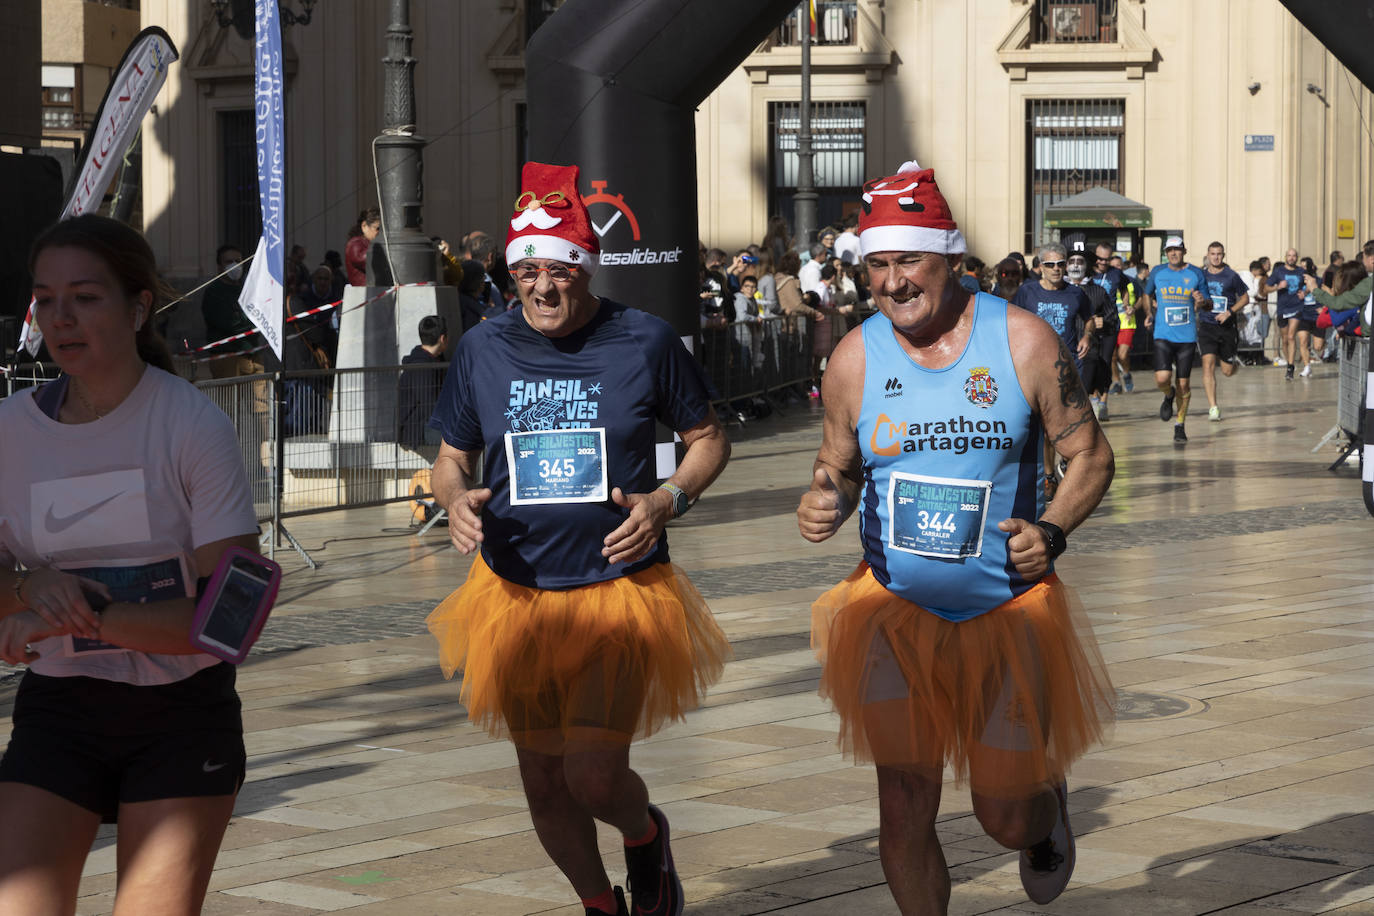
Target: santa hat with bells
{"x":550,"y":221}
{"x":907,"y":212}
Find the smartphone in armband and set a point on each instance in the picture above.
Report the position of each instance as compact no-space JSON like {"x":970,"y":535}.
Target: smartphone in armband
{"x":235,"y":604}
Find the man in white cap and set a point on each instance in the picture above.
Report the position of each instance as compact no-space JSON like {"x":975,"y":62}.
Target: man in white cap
{"x":953,"y":641}
{"x":573,"y":630}
{"x":1173,"y":292}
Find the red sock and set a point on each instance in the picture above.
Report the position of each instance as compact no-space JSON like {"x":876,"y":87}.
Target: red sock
{"x":605,"y":902}
{"x":647,"y":838}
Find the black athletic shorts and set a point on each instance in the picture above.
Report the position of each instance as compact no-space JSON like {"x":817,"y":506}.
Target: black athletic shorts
{"x":1096,"y":373}
{"x":1308,"y":326}
{"x":1220,"y":340}
{"x":100,"y":743}
{"x":1168,"y":354}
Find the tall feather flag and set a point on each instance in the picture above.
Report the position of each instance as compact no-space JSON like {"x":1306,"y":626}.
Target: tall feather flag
{"x":811,"y":11}
{"x":130,"y":94}
{"x":262,"y":299}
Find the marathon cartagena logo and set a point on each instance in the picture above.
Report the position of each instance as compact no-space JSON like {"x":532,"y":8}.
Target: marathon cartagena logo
{"x":954,"y":434}
{"x":616,"y":226}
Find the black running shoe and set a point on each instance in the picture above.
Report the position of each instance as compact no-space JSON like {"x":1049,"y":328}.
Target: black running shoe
{"x":620,"y":908}
{"x":1288,"y":373}
{"x":654,"y":885}
{"x":1180,"y":437}
{"x":1166,"y":408}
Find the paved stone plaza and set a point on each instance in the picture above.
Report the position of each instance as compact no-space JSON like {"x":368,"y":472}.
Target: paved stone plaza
{"x":1231,"y":590}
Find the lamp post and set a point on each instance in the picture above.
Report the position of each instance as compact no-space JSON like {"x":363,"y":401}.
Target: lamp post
{"x":804,"y":202}
{"x":403,"y":247}
{"x":239,"y":15}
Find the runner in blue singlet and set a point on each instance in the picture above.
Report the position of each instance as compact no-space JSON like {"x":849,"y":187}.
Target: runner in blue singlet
{"x":952,"y":642}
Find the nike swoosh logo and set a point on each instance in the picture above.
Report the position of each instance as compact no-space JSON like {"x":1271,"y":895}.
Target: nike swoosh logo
{"x":209,"y":767}
{"x":56,"y":525}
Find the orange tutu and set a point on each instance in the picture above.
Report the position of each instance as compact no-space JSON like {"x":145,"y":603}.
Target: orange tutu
{"x":587,"y":666}
{"x":1008,"y":699}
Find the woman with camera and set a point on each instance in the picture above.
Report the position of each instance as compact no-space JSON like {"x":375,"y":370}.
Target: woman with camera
{"x":121,"y":486}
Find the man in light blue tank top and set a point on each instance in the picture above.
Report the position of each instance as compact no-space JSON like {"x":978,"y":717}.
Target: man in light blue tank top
{"x":952,"y":642}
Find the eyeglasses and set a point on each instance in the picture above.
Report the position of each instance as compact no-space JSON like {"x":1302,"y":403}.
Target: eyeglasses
{"x":558,"y":273}
{"x":1052,"y":263}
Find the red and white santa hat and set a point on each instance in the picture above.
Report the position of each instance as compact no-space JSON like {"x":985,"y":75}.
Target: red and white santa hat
{"x":550,"y":221}
{"x":907,"y":212}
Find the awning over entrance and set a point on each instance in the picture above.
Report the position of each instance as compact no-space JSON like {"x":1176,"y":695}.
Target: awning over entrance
{"x":1097,"y":208}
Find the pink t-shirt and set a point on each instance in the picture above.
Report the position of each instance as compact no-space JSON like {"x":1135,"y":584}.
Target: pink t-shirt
{"x":127,"y":499}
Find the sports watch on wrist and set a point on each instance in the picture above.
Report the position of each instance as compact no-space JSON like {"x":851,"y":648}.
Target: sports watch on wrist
{"x":1058,"y":542}
{"x":680,"y":501}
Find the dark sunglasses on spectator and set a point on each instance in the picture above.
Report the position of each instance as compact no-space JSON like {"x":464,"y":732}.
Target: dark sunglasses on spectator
{"x":1052,"y":263}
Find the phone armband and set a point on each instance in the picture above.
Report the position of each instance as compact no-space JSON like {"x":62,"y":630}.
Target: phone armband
{"x":234,"y":606}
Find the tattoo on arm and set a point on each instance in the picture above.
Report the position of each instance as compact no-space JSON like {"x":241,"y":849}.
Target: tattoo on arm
{"x":1071,"y":394}
{"x":1073,"y":427}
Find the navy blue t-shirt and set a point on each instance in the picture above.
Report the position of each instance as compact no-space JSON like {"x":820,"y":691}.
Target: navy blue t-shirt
{"x":1062,"y":308}
{"x":1113,"y":280}
{"x":1224,"y":289}
{"x":547,"y":405}
{"x":1291,"y":299}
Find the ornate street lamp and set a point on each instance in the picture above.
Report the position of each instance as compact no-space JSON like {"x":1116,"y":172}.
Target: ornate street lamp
{"x":400,"y":166}
{"x":239,"y":15}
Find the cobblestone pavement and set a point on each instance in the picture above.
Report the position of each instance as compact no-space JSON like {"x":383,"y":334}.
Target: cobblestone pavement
{"x":1228,"y":584}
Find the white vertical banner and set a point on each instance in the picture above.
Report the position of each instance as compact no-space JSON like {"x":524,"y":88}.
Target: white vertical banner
{"x":127,"y":99}
{"x":263,"y":299}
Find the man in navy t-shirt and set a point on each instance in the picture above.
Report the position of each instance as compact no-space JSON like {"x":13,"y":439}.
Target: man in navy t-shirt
{"x":1217,"y":335}
{"x":573,"y":631}
{"x":1062,"y":305}
{"x":1287,"y":279}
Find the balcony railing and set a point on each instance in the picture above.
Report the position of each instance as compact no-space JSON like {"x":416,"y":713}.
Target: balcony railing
{"x":835,"y":24}
{"x":1068,"y":22}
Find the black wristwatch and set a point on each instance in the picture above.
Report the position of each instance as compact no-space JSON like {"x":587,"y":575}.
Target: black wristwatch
{"x":1058,"y":542}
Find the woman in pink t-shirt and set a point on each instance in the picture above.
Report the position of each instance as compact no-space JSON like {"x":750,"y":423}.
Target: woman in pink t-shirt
{"x":121,"y":486}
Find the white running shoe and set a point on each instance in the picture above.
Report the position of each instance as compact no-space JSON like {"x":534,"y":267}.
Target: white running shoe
{"x":1280,"y":361}
{"x":1047,"y":866}
{"x":1306,"y":371}
{"x":1214,"y":414}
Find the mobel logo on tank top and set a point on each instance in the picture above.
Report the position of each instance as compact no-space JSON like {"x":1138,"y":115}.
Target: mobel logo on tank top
{"x":610,"y":212}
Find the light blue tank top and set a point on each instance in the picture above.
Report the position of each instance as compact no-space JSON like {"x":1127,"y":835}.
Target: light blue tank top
{"x":947,"y":454}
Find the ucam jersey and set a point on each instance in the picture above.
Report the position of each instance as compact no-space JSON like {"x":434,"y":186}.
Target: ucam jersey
{"x":561,"y":422}
{"x":947,"y":454}
{"x":1172,"y":290}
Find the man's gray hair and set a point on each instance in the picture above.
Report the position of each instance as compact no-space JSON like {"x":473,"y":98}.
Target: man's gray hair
{"x":1052,"y":248}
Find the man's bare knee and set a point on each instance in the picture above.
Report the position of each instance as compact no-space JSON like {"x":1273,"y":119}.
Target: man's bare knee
{"x":1015,"y":824}
{"x":594,"y":779}
{"x":908,"y":796}
{"x":542,"y":777}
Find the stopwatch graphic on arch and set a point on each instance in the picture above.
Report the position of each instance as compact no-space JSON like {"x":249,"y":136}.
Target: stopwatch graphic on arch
{"x":618,"y":209}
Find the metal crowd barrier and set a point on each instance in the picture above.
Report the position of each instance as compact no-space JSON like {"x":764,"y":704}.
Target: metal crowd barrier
{"x":342,"y":438}
{"x":1353,"y":356}
{"x":752,"y":358}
